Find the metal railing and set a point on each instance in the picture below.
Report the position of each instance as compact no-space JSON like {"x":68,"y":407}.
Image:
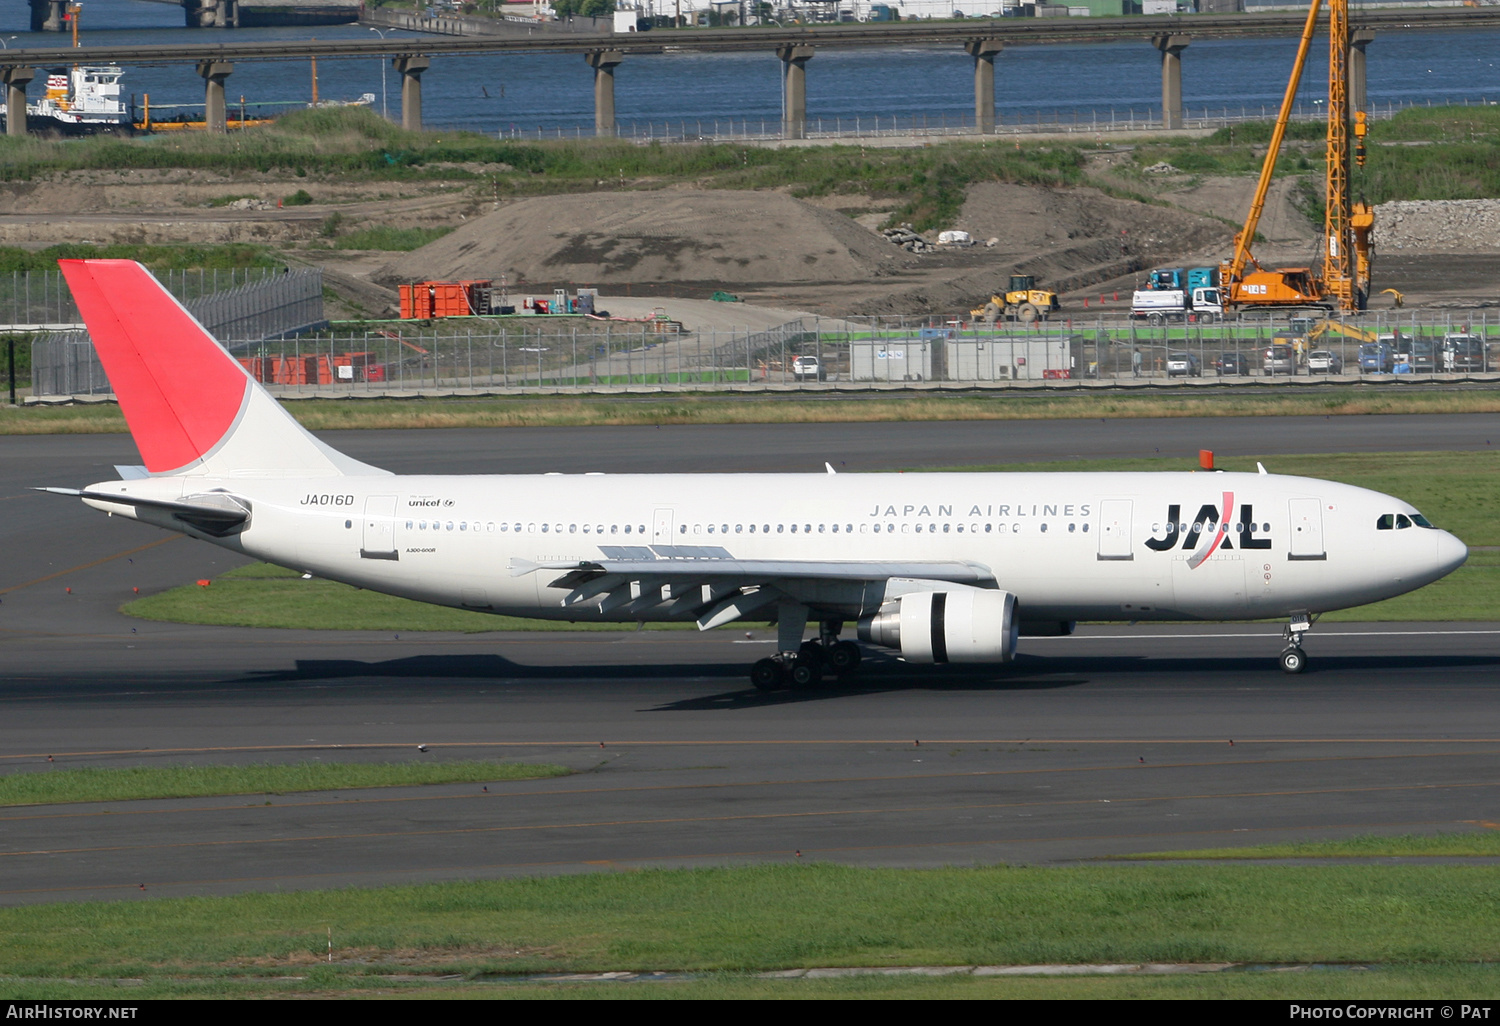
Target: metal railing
{"x":876,"y":126}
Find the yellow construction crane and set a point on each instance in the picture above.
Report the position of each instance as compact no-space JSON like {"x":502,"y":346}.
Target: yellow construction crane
{"x":1344,"y":277}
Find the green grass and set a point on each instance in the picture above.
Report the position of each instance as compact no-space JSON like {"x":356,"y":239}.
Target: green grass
{"x":50,"y":787}
{"x":1436,"y":983}
{"x":1485,"y":844}
{"x":770,"y":408}
{"x":157,"y":258}
{"x":741,"y":920}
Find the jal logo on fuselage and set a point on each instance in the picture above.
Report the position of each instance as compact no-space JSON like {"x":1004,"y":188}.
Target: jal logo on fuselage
{"x":1210,"y":531}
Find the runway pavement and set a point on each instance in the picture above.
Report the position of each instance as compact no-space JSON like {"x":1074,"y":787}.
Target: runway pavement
{"x":1115,"y":740}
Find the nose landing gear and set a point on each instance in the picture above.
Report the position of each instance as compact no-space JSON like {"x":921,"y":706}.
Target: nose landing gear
{"x":1293,"y":659}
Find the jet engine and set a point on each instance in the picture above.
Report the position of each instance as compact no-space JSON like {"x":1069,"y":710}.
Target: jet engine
{"x":963,"y":625}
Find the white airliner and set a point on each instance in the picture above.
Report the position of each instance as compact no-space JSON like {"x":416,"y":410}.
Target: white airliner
{"x":941,"y":567}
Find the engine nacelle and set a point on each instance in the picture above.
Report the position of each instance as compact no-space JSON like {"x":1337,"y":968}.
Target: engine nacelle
{"x":964,"y":625}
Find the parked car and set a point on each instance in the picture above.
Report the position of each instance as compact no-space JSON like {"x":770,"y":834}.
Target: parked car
{"x":1183,"y":365}
{"x":1414,"y":355}
{"x":1232,"y":363}
{"x":808,"y":368}
{"x":1324,"y":361}
{"x":1463,"y":353}
{"x":1376,"y":358}
{"x":1278,"y":360}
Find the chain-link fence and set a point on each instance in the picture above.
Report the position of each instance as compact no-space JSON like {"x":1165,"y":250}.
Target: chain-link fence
{"x":478,"y":355}
{"x":548,"y":355}
{"x":250,"y":304}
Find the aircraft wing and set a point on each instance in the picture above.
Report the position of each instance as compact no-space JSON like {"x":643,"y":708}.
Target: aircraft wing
{"x":710,"y":582}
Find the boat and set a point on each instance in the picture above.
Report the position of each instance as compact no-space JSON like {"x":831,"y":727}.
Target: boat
{"x":81,"y":100}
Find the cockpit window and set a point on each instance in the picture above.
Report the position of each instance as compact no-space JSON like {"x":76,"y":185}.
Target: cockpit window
{"x":1402,"y":521}
{"x":1422,"y":521}
{"x":1386,"y":522}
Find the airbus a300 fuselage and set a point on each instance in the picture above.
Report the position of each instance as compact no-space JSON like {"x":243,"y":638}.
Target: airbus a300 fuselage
{"x":941,"y":567}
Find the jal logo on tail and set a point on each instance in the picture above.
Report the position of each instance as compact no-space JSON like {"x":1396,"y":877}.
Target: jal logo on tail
{"x":1210,"y":531}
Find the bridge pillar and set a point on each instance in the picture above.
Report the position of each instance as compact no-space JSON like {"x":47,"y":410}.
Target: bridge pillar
{"x":15,"y":79}
{"x":1358,"y":39}
{"x":411,"y":69}
{"x":984,"y":52}
{"x":1171,"y":47}
{"x":214,"y":73}
{"x":47,"y":15}
{"x":794,"y":89}
{"x":604,"y":63}
{"x":211,"y":13}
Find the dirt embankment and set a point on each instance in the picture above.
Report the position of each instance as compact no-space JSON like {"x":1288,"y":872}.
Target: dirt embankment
{"x":778,"y":249}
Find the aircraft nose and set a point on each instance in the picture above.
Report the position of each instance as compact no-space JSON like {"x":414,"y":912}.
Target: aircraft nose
{"x":1451,"y":553}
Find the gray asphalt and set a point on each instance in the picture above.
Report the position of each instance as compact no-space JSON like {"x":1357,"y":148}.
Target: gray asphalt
{"x":1112,"y":741}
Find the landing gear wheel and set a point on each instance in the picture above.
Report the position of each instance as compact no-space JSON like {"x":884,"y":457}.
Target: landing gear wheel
{"x":766,"y":675}
{"x":813,"y":654}
{"x":805,"y":674}
{"x":1027,"y":313}
{"x":844,"y":658}
{"x":1293,"y":660}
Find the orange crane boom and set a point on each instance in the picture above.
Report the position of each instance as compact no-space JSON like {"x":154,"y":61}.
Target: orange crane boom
{"x":1344,"y":276}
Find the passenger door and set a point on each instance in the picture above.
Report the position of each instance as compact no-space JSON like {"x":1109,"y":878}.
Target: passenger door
{"x":380,"y":528}
{"x":1307,"y":529}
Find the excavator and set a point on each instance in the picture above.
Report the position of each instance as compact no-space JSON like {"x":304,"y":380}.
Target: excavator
{"x":1343,"y":280}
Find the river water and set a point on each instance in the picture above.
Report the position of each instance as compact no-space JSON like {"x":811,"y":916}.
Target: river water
{"x":553,"y":92}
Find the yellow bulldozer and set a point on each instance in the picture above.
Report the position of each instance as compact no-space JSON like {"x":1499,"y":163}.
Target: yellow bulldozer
{"x":1023,"y":302}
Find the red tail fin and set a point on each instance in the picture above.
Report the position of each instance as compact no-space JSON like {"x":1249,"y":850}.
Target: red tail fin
{"x":178,"y":402}
{"x":185,"y":398}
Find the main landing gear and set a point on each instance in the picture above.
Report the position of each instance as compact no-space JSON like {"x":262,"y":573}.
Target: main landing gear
{"x":1293,"y":659}
{"x":809,"y":663}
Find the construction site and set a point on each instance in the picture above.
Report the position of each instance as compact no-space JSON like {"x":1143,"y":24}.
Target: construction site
{"x":1123,"y":272}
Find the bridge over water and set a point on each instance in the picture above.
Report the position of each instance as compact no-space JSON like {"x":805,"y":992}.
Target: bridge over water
{"x":796,"y":46}
{"x":47,"y":15}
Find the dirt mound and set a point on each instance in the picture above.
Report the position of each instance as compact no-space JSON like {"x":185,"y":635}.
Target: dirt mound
{"x":724,"y":238}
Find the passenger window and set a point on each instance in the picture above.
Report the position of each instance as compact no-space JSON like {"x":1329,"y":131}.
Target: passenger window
{"x":682,"y":529}
{"x":1085,"y":528}
{"x":877,"y":528}
{"x":627,"y":528}
{"x":987,"y":528}
{"x":794,"y":528}
{"x":1386,"y":522}
{"x":723,"y":528}
{"x":463,"y":525}
{"x":1044,"y":528}
{"x":710,"y":528}
{"x":544,"y":528}
{"x":450,"y":525}
{"x":780,"y":528}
